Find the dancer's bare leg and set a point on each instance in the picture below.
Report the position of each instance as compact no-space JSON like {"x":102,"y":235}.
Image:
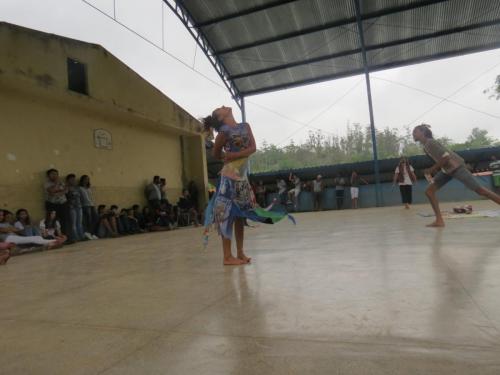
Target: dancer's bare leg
{"x":239,"y":231}
{"x":430,"y":192}
{"x":229,"y":260}
{"x":489,"y":194}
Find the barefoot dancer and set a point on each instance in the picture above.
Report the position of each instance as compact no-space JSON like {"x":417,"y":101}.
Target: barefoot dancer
{"x":234,"y":201}
{"x":449,"y":165}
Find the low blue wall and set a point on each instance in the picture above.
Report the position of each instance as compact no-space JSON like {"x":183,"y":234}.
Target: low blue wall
{"x":454,"y":191}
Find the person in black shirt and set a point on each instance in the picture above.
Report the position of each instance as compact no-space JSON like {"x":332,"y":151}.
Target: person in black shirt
{"x":186,"y":206}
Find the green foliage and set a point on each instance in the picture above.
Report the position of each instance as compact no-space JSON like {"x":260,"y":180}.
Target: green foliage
{"x":320,"y":149}
{"x":494,"y":91}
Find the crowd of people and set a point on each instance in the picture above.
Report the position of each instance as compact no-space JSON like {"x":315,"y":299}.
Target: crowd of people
{"x":71,"y":215}
{"x":290,"y":191}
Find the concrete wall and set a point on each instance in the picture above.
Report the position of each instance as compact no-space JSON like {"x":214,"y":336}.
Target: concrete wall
{"x":454,"y":191}
{"x":44,"y":125}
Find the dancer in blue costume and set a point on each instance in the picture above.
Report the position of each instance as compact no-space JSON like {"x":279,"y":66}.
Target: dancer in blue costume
{"x":234,"y":201}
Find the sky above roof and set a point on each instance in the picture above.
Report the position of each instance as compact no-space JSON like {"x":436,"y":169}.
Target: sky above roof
{"x":448,"y":94}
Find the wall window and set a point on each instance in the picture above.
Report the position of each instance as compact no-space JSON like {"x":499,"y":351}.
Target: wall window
{"x":77,"y":76}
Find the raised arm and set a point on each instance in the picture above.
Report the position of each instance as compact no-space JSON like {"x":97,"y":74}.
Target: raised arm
{"x":220,"y":140}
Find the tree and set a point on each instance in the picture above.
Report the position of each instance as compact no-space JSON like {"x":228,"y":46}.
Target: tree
{"x":494,"y":91}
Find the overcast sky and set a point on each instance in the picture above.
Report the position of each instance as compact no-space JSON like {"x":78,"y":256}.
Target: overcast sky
{"x":394,"y":105}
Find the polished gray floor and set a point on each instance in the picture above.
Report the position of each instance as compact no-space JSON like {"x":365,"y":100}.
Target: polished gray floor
{"x":354,"y":292}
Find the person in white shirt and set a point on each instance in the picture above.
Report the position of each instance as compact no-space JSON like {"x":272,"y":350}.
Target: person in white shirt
{"x":293,"y":194}
{"x":318,"y":191}
{"x":404,"y":175}
{"x":282,"y":187}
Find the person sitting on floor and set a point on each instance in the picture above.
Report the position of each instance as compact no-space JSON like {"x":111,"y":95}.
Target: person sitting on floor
{"x":50,"y":228}
{"x":136,"y":209}
{"x":5,"y":248}
{"x":133,"y":223}
{"x":163,"y":217}
{"x":186,"y":206}
{"x":9,"y":233}
{"x":23,"y":224}
{"x":106,"y":226}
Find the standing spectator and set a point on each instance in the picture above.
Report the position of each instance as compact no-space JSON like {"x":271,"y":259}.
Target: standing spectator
{"x":148,"y":216}
{"x":194,"y":194}
{"x":9,"y":233}
{"x":153,"y":193}
{"x":55,"y":198}
{"x":24,"y":225}
{"x":404,"y":175}
{"x":186,"y":206}
{"x":163,"y":190}
{"x":293,"y":194}
{"x":339,"y":191}
{"x":260,"y":192}
{"x":88,"y":208}
{"x":318,"y":191}
{"x":355,"y":180}
{"x":50,"y":228}
{"x":75,"y":209}
{"x":282,"y":190}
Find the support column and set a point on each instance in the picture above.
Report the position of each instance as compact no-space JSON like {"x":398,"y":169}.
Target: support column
{"x":378,"y":191}
{"x":243,"y":112}
{"x":244,"y":119}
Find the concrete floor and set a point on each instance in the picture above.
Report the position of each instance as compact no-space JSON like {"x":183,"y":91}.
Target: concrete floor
{"x":353,"y":292}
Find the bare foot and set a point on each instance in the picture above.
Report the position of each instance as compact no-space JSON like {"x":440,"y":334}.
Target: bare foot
{"x":244,"y":258}
{"x":436,"y":224}
{"x":407,"y":206}
{"x":232,"y":261}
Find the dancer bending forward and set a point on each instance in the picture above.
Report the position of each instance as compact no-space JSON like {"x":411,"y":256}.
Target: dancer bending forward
{"x":448,"y":165}
{"x":234,"y":200}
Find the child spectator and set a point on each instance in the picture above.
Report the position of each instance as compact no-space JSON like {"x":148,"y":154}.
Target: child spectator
{"x":136,"y":209}
{"x":124,"y":224}
{"x":133,"y":223}
{"x":106,"y":223}
{"x":55,"y":198}
{"x":89,"y":212}
{"x":9,"y":233}
{"x":75,"y":209}
{"x":148,"y":216}
{"x":5,"y":248}
{"x":23,"y":224}
{"x":50,"y":228}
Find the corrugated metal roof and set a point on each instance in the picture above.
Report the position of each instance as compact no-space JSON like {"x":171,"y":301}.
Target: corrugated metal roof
{"x":266,"y":45}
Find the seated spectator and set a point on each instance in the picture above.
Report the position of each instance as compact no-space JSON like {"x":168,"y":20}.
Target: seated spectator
{"x":50,"y":228}
{"x":122,"y":220}
{"x":106,"y":225}
{"x":136,"y":209}
{"x":186,"y":206}
{"x":128,"y":223}
{"x":163,"y":217}
{"x":149,"y":218}
{"x":24,"y":225}
{"x":133,"y":223}
{"x":9,"y":233}
{"x":5,"y":252}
